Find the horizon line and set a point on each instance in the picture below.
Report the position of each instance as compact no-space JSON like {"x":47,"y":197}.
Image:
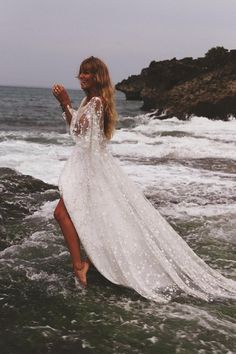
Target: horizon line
{"x":40,"y":87}
{"x":29,"y":86}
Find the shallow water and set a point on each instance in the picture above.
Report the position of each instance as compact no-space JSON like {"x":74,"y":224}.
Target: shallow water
{"x":187,"y":169}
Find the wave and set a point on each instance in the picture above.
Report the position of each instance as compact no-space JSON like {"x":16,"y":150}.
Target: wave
{"x":149,"y":142}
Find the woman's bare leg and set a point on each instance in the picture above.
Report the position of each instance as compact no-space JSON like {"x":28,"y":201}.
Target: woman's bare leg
{"x":72,"y":240}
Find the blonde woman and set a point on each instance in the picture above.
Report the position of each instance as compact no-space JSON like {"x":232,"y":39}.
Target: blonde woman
{"x":123,"y":235}
{"x":95,"y":81}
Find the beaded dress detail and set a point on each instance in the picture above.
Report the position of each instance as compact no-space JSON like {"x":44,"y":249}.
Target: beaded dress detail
{"x":125,"y":237}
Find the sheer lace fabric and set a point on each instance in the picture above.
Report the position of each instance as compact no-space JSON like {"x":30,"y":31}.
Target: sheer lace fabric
{"x":126,"y":238}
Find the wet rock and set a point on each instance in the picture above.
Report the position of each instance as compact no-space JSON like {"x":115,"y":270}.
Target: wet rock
{"x":20,"y":195}
{"x":202,"y":87}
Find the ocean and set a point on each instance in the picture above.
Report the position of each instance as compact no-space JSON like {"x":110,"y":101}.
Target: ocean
{"x":187,"y":169}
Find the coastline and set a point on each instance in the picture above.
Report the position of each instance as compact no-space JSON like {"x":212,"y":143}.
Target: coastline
{"x":187,"y":87}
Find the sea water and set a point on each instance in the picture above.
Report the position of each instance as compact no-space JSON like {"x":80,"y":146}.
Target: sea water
{"x":188,"y":171}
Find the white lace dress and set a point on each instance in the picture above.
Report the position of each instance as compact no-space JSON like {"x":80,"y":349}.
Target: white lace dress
{"x":126,"y":238}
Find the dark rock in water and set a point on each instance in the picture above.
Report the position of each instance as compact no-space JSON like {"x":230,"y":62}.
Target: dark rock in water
{"x":20,"y":195}
{"x":203,"y":87}
{"x":132,"y":87}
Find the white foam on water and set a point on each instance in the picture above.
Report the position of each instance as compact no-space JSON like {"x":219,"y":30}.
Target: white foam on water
{"x":145,"y":141}
{"x":210,"y":210}
{"x":45,"y":211}
{"x":43,"y":161}
{"x":186,"y":147}
{"x":210,"y":320}
{"x":195,"y":192}
{"x":38,"y":240}
{"x":214,"y":129}
{"x":165,"y":175}
{"x":26,"y":134}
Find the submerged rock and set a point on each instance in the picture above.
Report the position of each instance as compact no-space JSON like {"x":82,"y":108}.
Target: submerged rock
{"x":203,"y":87}
{"x":20,"y":195}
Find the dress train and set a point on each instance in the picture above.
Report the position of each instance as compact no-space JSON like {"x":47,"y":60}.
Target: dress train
{"x":125,"y":237}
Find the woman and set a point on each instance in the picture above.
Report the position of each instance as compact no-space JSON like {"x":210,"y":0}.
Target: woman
{"x":124,"y":236}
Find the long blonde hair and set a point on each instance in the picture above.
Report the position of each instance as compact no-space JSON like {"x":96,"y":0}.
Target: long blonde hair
{"x":105,"y":90}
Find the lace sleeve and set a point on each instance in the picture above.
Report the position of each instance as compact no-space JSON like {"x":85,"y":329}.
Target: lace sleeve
{"x":89,"y":118}
{"x":72,"y":112}
{"x":87,"y":124}
{"x":97,"y":113}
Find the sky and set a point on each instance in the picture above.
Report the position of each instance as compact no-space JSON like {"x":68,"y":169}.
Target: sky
{"x":43,"y":42}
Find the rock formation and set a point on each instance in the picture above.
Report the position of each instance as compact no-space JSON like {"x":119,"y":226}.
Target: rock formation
{"x":204,"y":86}
{"x":21,"y":195}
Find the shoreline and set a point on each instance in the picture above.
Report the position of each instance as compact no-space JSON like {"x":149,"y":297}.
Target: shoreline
{"x":205,"y":86}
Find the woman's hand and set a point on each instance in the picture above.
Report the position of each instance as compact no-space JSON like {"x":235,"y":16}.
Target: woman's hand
{"x":61,"y":95}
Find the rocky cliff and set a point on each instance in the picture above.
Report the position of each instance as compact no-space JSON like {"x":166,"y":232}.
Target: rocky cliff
{"x":204,"y":86}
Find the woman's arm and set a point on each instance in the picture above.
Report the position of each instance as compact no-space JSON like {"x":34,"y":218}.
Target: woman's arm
{"x":62,"y":96}
{"x":65,"y":108}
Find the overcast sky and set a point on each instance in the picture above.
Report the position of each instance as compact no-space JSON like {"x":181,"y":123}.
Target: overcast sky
{"x":44,"y":41}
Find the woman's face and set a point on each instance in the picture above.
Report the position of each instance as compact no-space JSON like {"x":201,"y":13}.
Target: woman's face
{"x":87,"y":79}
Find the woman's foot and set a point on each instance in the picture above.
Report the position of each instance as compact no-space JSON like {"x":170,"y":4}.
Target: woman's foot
{"x":81,"y":273}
